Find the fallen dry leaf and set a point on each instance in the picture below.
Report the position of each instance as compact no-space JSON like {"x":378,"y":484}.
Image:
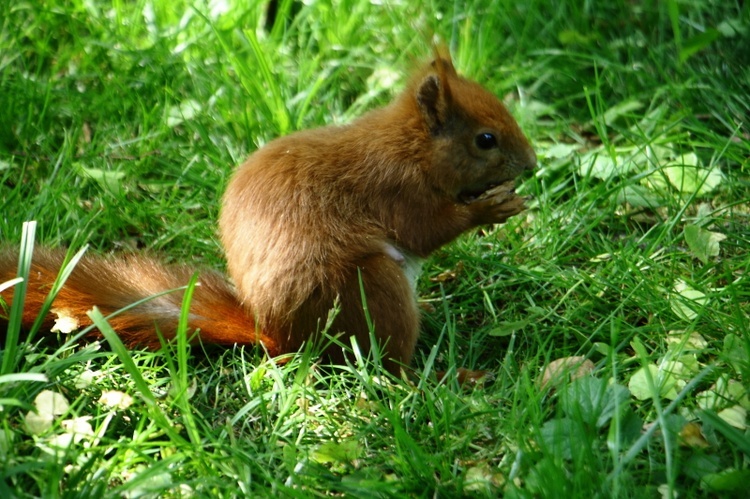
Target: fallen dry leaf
{"x":565,"y":368}
{"x":449,"y":275}
{"x":692,"y":436}
{"x":65,"y":323}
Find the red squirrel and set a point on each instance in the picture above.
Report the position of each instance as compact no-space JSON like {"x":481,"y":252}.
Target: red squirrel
{"x":315,"y":217}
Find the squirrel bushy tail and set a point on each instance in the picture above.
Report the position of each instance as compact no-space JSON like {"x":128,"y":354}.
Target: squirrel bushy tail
{"x":112,"y":284}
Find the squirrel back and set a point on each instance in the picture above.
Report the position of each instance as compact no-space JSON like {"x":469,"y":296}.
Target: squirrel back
{"x":336,"y":214}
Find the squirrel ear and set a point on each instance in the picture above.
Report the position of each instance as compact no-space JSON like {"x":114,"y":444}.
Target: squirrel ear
{"x":444,"y":65}
{"x":433,"y":98}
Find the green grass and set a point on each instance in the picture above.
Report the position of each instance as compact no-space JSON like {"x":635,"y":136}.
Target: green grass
{"x":121,"y":122}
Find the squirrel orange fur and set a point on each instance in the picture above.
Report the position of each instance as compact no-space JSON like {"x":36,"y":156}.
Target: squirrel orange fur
{"x":315,"y":216}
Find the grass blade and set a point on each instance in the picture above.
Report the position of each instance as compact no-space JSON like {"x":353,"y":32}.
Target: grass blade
{"x":143,"y":388}
{"x":26,"y":252}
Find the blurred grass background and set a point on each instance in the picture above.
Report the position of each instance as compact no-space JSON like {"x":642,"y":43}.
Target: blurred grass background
{"x":121,"y":122}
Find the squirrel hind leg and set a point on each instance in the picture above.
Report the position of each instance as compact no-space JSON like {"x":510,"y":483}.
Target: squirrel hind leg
{"x":391,"y":305}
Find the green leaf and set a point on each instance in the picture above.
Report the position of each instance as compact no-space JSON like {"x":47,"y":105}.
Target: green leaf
{"x":686,"y":174}
{"x":638,"y":196}
{"x":506,"y":328}
{"x":686,"y":301}
{"x":698,"y":43}
{"x":621,"y":109}
{"x":735,"y":416}
{"x":679,"y":369}
{"x":49,"y":405}
{"x":338,"y":452}
{"x":599,"y":165}
{"x":730,"y":28}
{"x":736,"y":392}
{"x":735,"y":352}
{"x":699,"y":465}
{"x":560,"y":435}
{"x":740,"y":439}
{"x":724,"y":393}
{"x":626,"y":432}
{"x":726,"y":481}
{"x":681,"y":341}
{"x":50,"y":402}
{"x":665,"y":384}
{"x":110,"y":180}
{"x":185,"y":111}
{"x":649,"y":156}
{"x":594,"y":400}
{"x":574,"y":37}
{"x":559,"y":150}
{"x":703,"y":243}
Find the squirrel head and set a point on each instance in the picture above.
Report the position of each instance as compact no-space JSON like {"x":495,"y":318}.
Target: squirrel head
{"x":475,"y":142}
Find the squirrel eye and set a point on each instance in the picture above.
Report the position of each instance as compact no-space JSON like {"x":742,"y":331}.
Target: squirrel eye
{"x":485,"y":141}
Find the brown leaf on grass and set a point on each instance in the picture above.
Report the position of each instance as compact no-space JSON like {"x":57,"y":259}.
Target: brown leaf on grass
{"x":86,"y":129}
{"x":449,"y":275}
{"x":480,"y":476}
{"x":426,"y":307}
{"x":691,"y":435}
{"x":565,"y":368}
{"x":468,"y":377}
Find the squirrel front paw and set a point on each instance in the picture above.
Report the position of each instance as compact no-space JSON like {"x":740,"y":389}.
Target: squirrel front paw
{"x":497,"y":204}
